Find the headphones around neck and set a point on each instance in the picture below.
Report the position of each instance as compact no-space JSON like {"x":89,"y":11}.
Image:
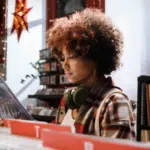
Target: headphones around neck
{"x":75,"y":98}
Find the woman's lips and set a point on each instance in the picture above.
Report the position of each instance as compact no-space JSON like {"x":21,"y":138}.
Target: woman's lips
{"x":68,"y":73}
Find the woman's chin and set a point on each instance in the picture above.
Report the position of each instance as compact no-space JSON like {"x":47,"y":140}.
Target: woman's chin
{"x":73,"y":81}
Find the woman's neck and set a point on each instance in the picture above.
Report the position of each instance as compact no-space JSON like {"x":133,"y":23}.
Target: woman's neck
{"x":92,"y":80}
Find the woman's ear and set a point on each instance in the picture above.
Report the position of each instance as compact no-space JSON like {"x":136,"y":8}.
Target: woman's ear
{"x":94,"y":69}
{"x":95,"y":74}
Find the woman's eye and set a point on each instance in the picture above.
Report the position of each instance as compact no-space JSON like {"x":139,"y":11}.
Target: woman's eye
{"x":72,"y":57}
{"x":62,"y":59}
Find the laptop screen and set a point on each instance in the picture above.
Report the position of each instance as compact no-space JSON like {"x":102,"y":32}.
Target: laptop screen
{"x":10,"y":107}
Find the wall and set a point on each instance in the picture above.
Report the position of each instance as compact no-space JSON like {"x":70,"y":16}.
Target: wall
{"x":130,"y":17}
{"x":146,"y":60}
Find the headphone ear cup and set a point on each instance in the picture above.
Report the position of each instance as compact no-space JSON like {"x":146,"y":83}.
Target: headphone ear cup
{"x":69,"y":100}
{"x":79,"y":96}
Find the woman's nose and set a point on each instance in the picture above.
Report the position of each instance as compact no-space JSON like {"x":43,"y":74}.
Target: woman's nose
{"x":65,"y":64}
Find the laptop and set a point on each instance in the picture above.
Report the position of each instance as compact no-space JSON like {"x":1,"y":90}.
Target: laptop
{"x":10,"y":107}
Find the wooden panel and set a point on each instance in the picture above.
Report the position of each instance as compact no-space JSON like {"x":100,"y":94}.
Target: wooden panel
{"x":100,"y":4}
{"x":69,"y":141}
{"x":50,"y":12}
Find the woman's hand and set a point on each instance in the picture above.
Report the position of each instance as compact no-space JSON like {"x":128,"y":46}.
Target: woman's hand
{"x":1,"y":122}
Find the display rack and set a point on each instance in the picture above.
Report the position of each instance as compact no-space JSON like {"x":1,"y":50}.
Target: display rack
{"x":142,"y":106}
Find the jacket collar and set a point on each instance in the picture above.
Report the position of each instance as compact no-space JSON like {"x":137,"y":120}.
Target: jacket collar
{"x":98,"y":90}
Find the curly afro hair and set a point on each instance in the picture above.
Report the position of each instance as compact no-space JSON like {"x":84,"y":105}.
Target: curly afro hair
{"x":90,"y":34}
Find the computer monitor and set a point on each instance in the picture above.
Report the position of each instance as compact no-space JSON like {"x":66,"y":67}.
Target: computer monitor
{"x":10,"y":107}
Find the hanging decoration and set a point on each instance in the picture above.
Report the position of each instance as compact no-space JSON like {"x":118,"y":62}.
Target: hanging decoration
{"x":20,"y":17}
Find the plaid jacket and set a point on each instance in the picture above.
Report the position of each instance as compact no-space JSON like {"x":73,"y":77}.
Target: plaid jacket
{"x":108,"y":113}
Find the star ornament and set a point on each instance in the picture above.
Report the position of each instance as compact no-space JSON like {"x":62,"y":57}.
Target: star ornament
{"x":20,"y":17}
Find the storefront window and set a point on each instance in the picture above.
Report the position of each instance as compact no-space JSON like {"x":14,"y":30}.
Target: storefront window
{"x":65,"y":7}
{"x":22,"y":52}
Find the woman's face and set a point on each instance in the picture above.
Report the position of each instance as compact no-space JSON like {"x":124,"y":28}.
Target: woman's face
{"x":77,"y":69}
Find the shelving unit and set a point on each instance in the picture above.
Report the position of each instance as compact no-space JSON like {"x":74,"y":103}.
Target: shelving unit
{"x":142,"y":119}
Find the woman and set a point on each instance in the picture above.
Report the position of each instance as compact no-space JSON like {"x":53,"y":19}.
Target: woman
{"x":89,"y":47}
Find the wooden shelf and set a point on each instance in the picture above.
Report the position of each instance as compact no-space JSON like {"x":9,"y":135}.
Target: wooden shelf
{"x":46,"y":97}
{"x":144,"y":78}
{"x":144,"y":127}
{"x":53,"y":100}
{"x":52,"y":59}
{"x":49,"y":73}
{"x":44,"y":118}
